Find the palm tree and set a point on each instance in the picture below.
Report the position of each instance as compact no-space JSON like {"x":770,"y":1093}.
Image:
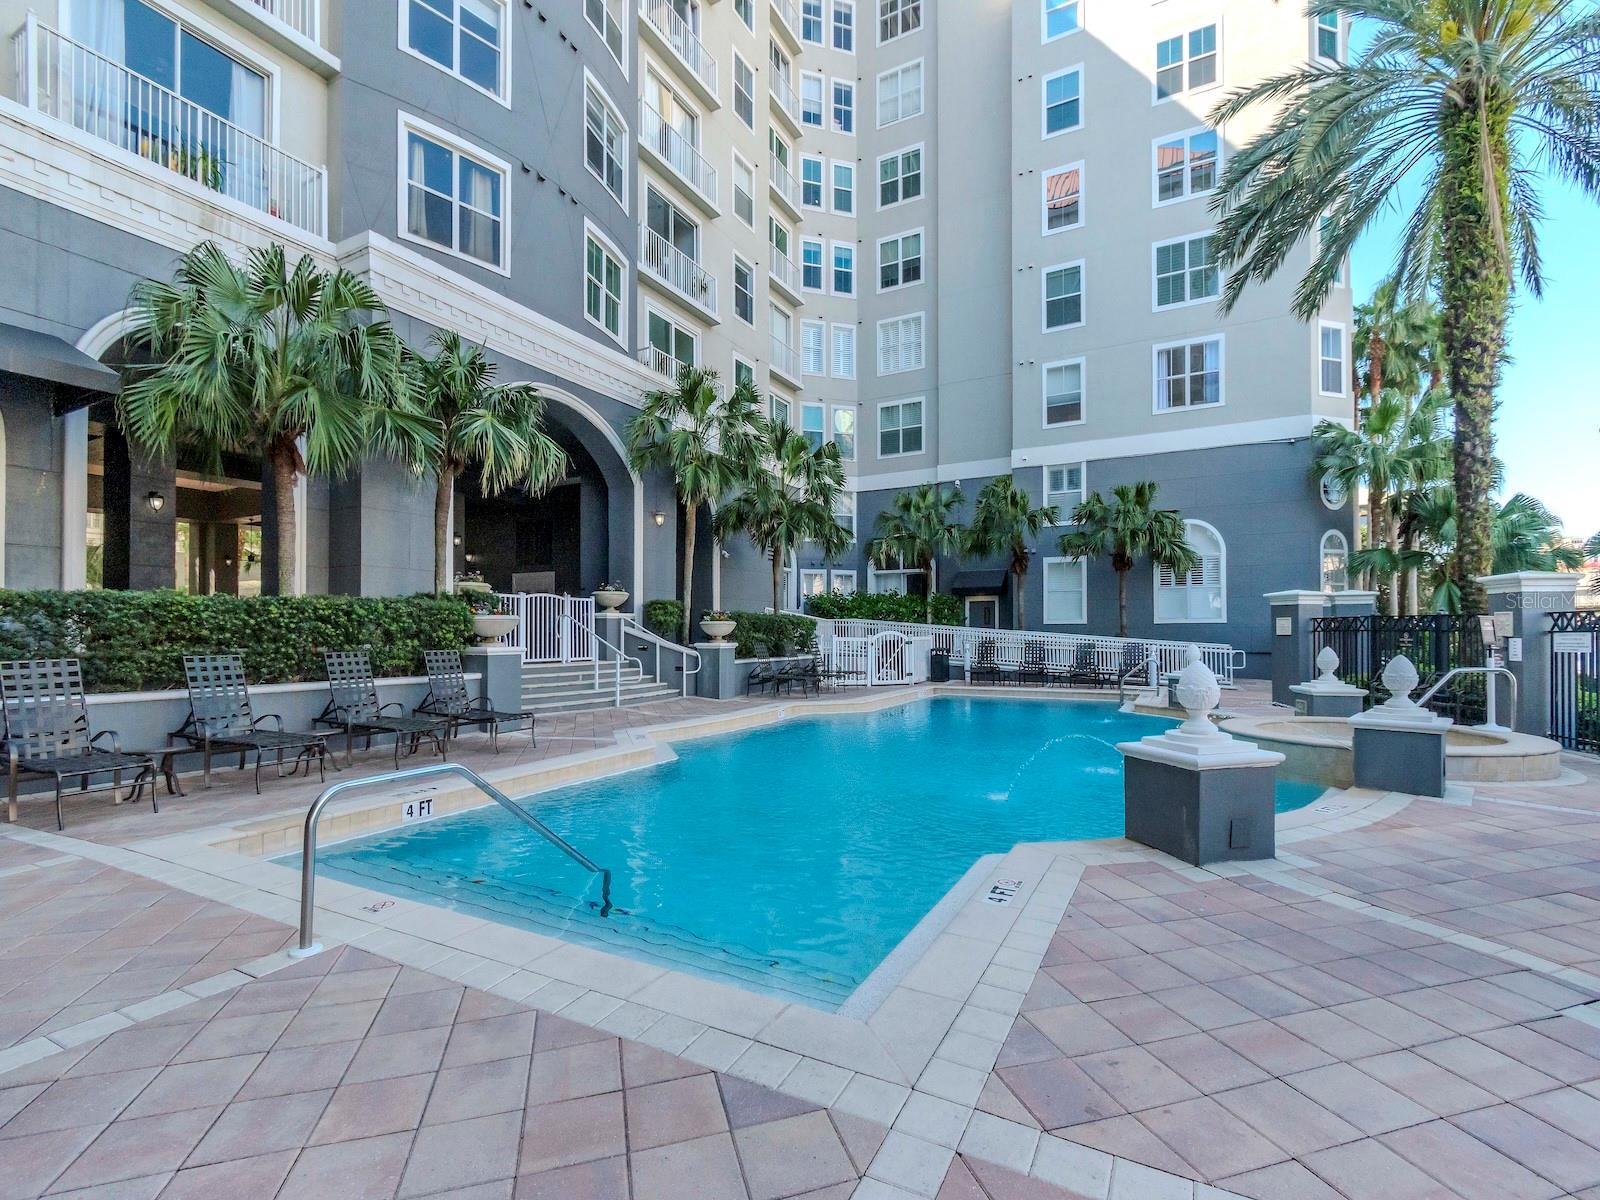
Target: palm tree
{"x":919,"y":526}
{"x":1526,"y":536}
{"x":1127,"y":528}
{"x":1005,"y":521}
{"x":1452,"y":112}
{"x":1395,"y":344}
{"x":498,"y":426}
{"x":266,"y":359}
{"x":705,"y":442}
{"x":1394,"y":450}
{"x":791,"y":499}
{"x":1591,"y":552}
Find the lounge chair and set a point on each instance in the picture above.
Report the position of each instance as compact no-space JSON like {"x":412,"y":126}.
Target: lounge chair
{"x":806,"y":675}
{"x":1033,"y":669}
{"x":1085,"y":670}
{"x":354,"y":708}
{"x":1134,"y":656}
{"x":47,"y":735}
{"x":985,"y":669}
{"x":221,"y":718}
{"x":763,"y":674}
{"x":448,"y":697}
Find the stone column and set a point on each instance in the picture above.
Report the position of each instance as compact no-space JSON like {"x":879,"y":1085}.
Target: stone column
{"x":1351,"y":603}
{"x":608,"y":625}
{"x":1327,"y":695}
{"x":1292,"y":614}
{"x":717,"y":678}
{"x":1530,"y":597}
{"x":1399,"y":746}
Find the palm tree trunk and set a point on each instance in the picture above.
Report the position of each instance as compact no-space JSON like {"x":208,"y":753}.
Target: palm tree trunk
{"x":284,"y":459}
{"x":688,"y":571}
{"x":443,"y":494}
{"x":1122,"y":602}
{"x":777,"y":578}
{"x":1475,"y":291}
{"x":1377,"y":522}
{"x":1019,"y":577}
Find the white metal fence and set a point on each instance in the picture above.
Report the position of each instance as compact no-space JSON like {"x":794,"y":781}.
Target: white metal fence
{"x":550,"y":628}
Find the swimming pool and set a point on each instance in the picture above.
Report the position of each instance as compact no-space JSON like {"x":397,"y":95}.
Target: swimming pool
{"x":789,"y":859}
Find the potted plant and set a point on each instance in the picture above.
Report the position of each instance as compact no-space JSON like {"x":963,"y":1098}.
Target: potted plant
{"x":610,"y":596}
{"x":488,"y":622}
{"x":471,"y":583}
{"x":717,"y":625}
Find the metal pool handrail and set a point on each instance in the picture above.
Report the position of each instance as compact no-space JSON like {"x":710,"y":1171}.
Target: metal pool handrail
{"x":1488,"y":673}
{"x":308,"y":855}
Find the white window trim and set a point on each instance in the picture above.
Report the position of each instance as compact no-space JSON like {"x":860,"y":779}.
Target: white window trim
{"x":733,"y":289}
{"x":855,"y":109}
{"x":1189,"y":26}
{"x":834,"y":409}
{"x":1322,"y":555}
{"x":732,"y":187}
{"x":808,"y":574}
{"x":801,"y":180}
{"x":855,"y":349}
{"x":1316,"y":40}
{"x":1222,"y":588}
{"x":1083,"y":106}
{"x":410,"y":124}
{"x":877,"y":176}
{"x":1185,"y":238}
{"x":1083,"y":487}
{"x":677,"y":322}
{"x":922,"y":425}
{"x":591,"y":230}
{"x":835,"y":577}
{"x":733,"y":89}
{"x":1083,"y":295}
{"x":1155,"y":167}
{"x":823,"y":96}
{"x":621,"y":197}
{"x":855,"y":268}
{"x":1344,"y":358}
{"x":877,"y":25}
{"x":877,"y":342}
{"x":825,"y":265}
{"x":1044,"y":395}
{"x":1322,"y":493}
{"x":855,"y":25}
{"x":878,"y":89}
{"x":1045,"y":37}
{"x":503,"y":96}
{"x":1044,"y":576}
{"x":922,"y":255}
{"x":738,"y":361}
{"x":1222,"y":373}
{"x":833,"y":188}
{"x":622,"y":24}
{"x":1044,"y":198}
{"x":822,"y":346}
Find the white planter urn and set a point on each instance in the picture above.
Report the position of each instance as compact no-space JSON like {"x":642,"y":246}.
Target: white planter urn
{"x":718,"y":631}
{"x":609,"y":601}
{"x":491,"y":627}
{"x":472,"y":587}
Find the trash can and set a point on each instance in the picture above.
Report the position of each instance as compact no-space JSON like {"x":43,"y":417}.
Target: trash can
{"x":939,"y":666}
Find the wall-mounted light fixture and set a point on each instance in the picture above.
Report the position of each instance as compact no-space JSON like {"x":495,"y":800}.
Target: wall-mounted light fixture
{"x":456,"y":541}
{"x":156,"y":501}
{"x":660,"y":518}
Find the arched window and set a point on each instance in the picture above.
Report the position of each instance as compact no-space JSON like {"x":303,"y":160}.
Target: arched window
{"x":1201,"y":594}
{"x":1335,"y":561}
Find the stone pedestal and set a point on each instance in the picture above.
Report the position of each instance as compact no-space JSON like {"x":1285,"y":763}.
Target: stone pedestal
{"x":1530,"y":597}
{"x":608,"y":628}
{"x":1327,"y":695}
{"x":716,"y":679}
{"x":1292,"y":614}
{"x":1399,"y":746}
{"x":501,"y":668}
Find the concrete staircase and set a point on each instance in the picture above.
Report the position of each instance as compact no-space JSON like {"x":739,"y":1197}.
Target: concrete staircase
{"x":551,"y":689}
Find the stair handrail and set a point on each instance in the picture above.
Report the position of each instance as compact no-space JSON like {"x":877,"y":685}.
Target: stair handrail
{"x":617,"y":650}
{"x":1122,"y":681}
{"x":1489,"y":721}
{"x":308,"y":944}
{"x":632,"y":625}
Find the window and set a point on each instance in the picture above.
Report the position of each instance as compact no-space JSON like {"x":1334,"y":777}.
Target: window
{"x":900,"y":93}
{"x":844,"y":431}
{"x":1066,"y":591}
{"x":602,"y":285}
{"x":844,"y":351}
{"x":900,"y":344}
{"x":812,"y":334}
{"x":1063,"y":488}
{"x":844,"y":512}
{"x":811,"y":21}
{"x":744,"y":191}
{"x":453,"y":199}
{"x":1063,"y":198}
{"x":747,"y":13}
{"x":605,"y":146}
{"x":1189,"y":374}
{"x":671,"y":225}
{"x":671,"y":345}
{"x":844,"y":269}
{"x":780,"y":408}
{"x":1063,"y":101}
{"x":844,"y":582}
{"x":778,"y":235}
{"x":1185,"y":165}
{"x":844,"y":26}
{"x":899,"y":177}
{"x":602,"y":17}
{"x":1329,"y":29}
{"x":1063,"y":392}
{"x":1332,"y":376}
{"x":813,"y":424}
{"x":1202,"y":594}
{"x":1335,"y":555}
{"x":813,"y":582}
{"x":781,"y":324}
{"x":743,"y":372}
{"x":899,"y":428}
{"x":1186,"y":271}
{"x":896,"y":18}
{"x":811,"y":99}
{"x":1063,"y":296}
{"x":844,"y":106}
{"x":900,"y":261}
{"x":462,"y":36}
{"x":811,"y":264}
{"x":744,"y":92}
{"x":1060,"y":18}
{"x":810,"y":181}
{"x":744,"y":292}
{"x":1186,"y":62}
{"x":1334,"y":492}
{"x":844,"y":187}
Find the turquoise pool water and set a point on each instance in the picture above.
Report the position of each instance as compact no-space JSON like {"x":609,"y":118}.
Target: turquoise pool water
{"x":790,"y":859}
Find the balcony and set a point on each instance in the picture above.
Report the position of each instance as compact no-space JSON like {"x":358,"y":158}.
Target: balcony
{"x":683,"y":276}
{"x":788,"y":22}
{"x":662,"y":25}
{"x":784,"y":186}
{"x":101,"y":98}
{"x":662,"y":363}
{"x":680,"y":156}
{"x":784,"y":101}
{"x":298,"y":15}
{"x":785,"y":362}
{"x":782,"y":273}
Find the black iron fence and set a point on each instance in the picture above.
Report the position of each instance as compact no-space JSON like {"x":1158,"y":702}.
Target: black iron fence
{"x":1436,"y":643}
{"x":1575,"y":679}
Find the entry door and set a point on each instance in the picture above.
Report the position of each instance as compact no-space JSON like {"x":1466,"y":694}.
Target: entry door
{"x":983,"y":612}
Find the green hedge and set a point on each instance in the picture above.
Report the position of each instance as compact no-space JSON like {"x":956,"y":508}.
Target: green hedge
{"x":664,"y":618}
{"x":865,"y":606}
{"x":135,"y":641}
{"x":780,"y":633}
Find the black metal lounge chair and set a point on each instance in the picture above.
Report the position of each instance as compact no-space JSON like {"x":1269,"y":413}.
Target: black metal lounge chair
{"x":1134,"y":656}
{"x":354,"y":708}
{"x":1085,"y":669}
{"x":806,"y":675}
{"x":47,"y":735}
{"x":985,"y":669}
{"x":448,"y":697}
{"x":763,"y":674}
{"x":1033,"y":670}
{"x":221,"y":718}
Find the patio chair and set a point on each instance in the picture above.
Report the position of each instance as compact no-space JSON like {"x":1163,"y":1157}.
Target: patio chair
{"x":1086,"y":669}
{"x":763,"y":673}
{"x":806,"y":675}
{"x":448,"y":697}
{"x":353,"y":707}
{"x":222,"y":718}
{"x":47,"y":735}
{"x":1033,"y":669}
{"x":1134,"y":655}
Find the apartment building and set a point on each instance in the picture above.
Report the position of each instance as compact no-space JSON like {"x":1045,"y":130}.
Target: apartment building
{"x":959,"y":240}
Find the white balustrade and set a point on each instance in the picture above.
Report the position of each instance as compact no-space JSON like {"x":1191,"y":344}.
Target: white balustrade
{"x":675,"y":31}
{"x":298,"y":15}
{"x":658,"y":136}
{"x":784,"y":359}
{"x":677,"y":270}
{"x":783,"y":182}
{"x":783,"y":92}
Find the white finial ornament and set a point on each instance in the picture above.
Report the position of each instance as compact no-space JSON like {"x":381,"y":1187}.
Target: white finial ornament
{"x":1198,"y":692}
{"x":1198,"y":743}
{"x":1400,"y":680}
{"x":1400,"y":710}
{"x":1327,"y":664}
